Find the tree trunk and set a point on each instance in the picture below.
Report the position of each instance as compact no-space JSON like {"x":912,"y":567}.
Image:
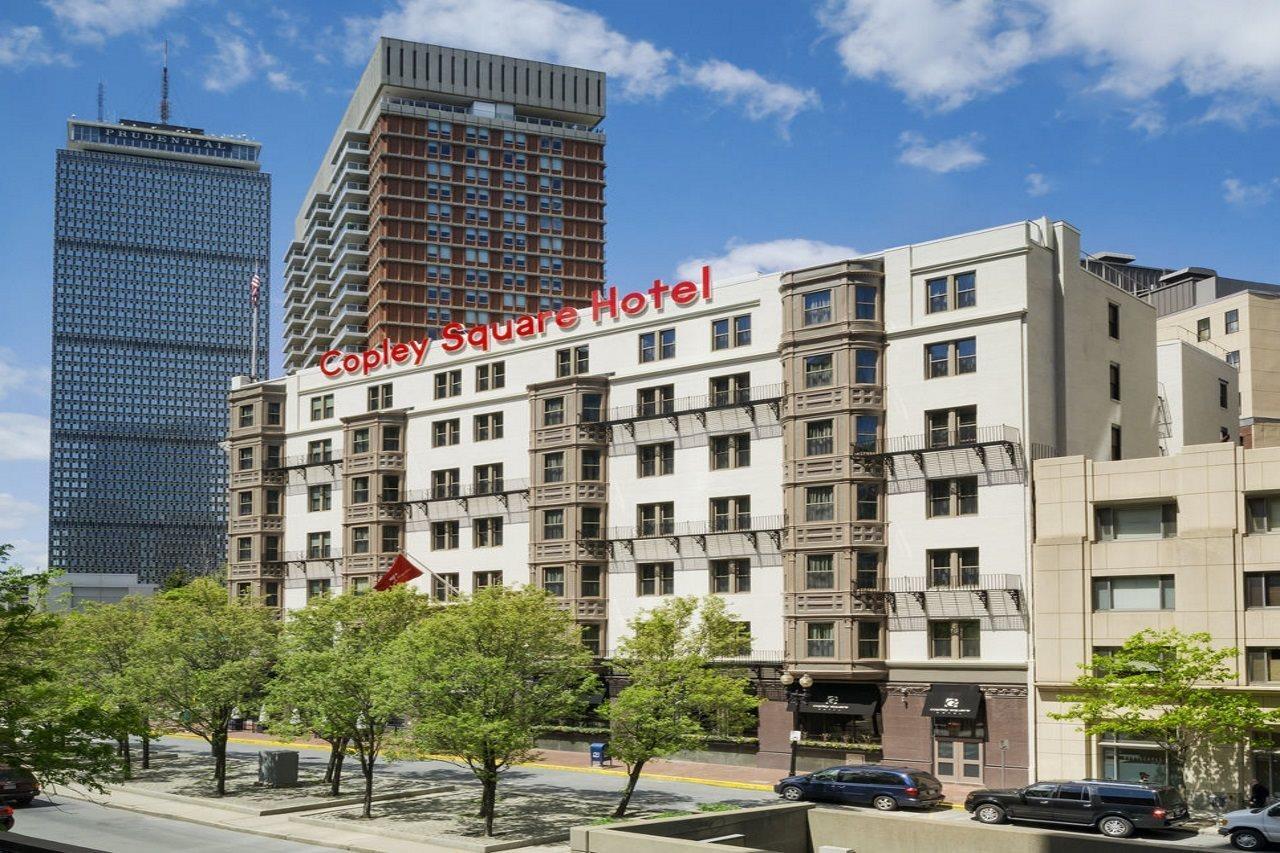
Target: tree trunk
{"x":333,"y":759}
{"x":489,"y":794}
{"x":219,"y":744}
{"x":633,"y":776}
{"x":337,"y":759}
{"x":126,"y":755}
{"x":366,"y":764}
{"x":146,"y":744}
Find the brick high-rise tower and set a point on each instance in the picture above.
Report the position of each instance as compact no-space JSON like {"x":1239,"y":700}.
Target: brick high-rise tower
{"x":459,"y":186}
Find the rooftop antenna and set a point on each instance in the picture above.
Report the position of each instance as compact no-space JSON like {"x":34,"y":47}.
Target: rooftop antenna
{"x":164,"y":86}
{"x":102,"y":100}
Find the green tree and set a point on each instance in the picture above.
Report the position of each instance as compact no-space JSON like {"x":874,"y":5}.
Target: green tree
{"x":202,"y":656}
{"x":481,"y":677}
{"x":1168,"y":687}
{"x":331,"y":679}
{"x":176,"y":579}
{"x":676,"y":695}
{"x":47,"y":725}
{"x":96,"y":651}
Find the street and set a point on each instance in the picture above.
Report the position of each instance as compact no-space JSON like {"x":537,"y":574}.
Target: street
{"x":116,"y":831}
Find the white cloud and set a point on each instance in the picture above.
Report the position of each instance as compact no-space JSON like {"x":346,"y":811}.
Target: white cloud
{"x":1149,"y":119}
{"x":236,"y":61}
{"x":1037,"y":185}
{"x":22,"y":47}
{"x":944,"y":53}
{"x":949,"y":155}
{"x":1237,"y":192}
{"x":15,"y":376}
{"x":30,"y":554}
{"x":769,"y":256}
{"x":97,"y":20}
{"x":556,"y":32}
{"x":23,"y":436}
{"x":17,"y":514}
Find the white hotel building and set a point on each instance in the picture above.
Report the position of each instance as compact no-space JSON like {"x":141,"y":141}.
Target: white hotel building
{"x":842,"y":452}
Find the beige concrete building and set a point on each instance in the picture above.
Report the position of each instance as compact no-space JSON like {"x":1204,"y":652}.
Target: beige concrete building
{"x":1199,"y":400}
{"x":1177,"y":542}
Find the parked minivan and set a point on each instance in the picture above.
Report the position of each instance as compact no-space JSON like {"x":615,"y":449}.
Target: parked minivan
{"x":885,"y":788}
{"x":1115,"y":809}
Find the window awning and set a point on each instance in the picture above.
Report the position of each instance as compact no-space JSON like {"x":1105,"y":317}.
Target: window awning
{"x":858,"y":700}
{"x":953,"y":701}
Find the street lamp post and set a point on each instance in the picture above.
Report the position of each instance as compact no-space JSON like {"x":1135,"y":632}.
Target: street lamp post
{"x":797,"y":692}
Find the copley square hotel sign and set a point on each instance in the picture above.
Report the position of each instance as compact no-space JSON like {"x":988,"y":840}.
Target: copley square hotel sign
{"x":606,"y":305}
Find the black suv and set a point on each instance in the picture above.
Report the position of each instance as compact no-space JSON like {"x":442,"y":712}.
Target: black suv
{"x":1116,"y":809}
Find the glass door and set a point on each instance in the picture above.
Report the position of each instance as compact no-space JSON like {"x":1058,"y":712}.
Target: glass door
{"x":958,"y":760}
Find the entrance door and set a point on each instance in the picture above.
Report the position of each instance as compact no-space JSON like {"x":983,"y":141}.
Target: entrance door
{"x":958,"y":760}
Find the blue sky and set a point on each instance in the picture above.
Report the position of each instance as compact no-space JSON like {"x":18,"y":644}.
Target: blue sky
{"x":757,"y":134}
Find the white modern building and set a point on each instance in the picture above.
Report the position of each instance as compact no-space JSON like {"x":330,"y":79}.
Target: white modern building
{"x":842,"y":452}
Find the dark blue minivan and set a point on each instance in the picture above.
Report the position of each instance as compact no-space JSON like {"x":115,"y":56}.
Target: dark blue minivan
{"x":885,"y":788}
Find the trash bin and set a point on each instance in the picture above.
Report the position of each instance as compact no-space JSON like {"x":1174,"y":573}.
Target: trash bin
{"x":277,"y":768}
{"x":600,"y":754}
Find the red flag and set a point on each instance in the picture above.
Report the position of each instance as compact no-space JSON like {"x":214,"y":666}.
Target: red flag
{"x":401,"y":571}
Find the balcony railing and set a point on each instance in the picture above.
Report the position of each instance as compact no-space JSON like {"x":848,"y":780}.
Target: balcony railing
{"x":666,"y":529}
{"x":499,"y":488}
{"x":980,"y":587}
{"x":734,"y":398}
{"x":959,"y":438}
{"x":304,"y":460}
{"x":309,"y":555}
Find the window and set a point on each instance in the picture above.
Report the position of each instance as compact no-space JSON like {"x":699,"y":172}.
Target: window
{"x":592,"y":408}
{"x":948,"y":292}
{"x":380,"y":397}
{"x":492,"y":376}
{"x":246,"y":415}
{"x":274,"y":415}
{"x":448,"y":383}
{"x":820,"y":571}
{"x":655,"y":579}
{"x":730,"y":332}
{"x":591,"y":581}
{"x":359,"y":586}
{"x":952,"y":567}
{"x":819,"y":437}
{"x":552,"y":524}
{"x":1262,"y":589}
{"x":1137,"y":521}
{"x":1223,"y":388}
{"x":273,"y":502}
{"x":868,"y":639}
{"x":817,"y":307}
{"x":1231,"y":321}
{"x":729,"y":576}
{"x":951,"y":358}
{"x":1113,"y":373}
{"x":957,"y":638}
{"x":390,"y":539}
{"x":390,"y":488}
{"x":818,"y":371}
{"x":322,"y":407}
{"x":487,"y":427}
{"x":591,"y":638}
{"x":553,"y":467}
{"x":866,"y":432}
{"x":245,"y":505}
{"x":360,"y":440}
{"x":444,"y":535}
{"x":359,"y":540}
{"x":572,"y":361}
{"x":359,"y":490}
{"x":658,"y":400}
{"x":1202,"y":329}
{"x":482,"y":580}
{"x":819,"y":503}
{"x":1117,"y":442}
{"x":589,"y":523}
{"x":317,"y":588}
{"x":867,"y":502}
{"x":245,"y":458}
{"x":390,"y":439}
{"x":273,"y":460}
{"x":318,"y":545}
{"x":820,"y":639}
{"x":1113,"y":320}
{"x":656,"y":519}
{"x":656,"y":460}
{"x":1144,"y":592}
{"x":444,"y":586}
{"x":1262,"y":664}
{"x":244,"y":549}
{"x":553,"y":411}
{"x":953,"y":496}
{"x":1233,"y":359}
{"x":952,"y":427}
{"x":445,"y":433}
{"x":553,"y":580}
{"x":271,"y":593}
{"x":727,"y":390}
{"x":487,"y":479}
{"x":1264,"y":513}
{"x":865,"y":364}
{"x":655,"y":346}
{"x":319,"y":498}
{"x":731,"y":513}
{"x":730,"y":451}
{"x":864,"y":302}
{"x":866,"y":570}
{"x":591,"y":464}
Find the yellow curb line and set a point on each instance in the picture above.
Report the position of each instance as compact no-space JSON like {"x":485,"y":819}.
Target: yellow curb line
{"x":744,"y":786}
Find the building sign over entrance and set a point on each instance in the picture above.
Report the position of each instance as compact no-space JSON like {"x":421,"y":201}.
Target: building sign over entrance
{"x":455,"y":337}
{"x":953,"y":701}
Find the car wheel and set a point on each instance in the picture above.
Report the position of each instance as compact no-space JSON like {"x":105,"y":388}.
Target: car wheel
{"x":989,"y":813}
{"x":1115,"y":827}
{"x":885,"y":803}
{"x":1247,"y":839}
{"x":791,"y":792}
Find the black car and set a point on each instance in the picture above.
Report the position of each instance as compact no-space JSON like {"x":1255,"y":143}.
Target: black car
{"x":17,"y":786}
{"x":1116,"y":809}
{"x":886,"y":788}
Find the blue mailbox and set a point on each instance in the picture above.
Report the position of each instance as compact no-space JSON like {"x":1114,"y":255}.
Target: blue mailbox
{"x":600,"y":753}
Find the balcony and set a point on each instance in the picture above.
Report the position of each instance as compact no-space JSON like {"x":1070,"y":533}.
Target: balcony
{"x":328,"y":555}
{"x":746,"y":399}
{"x":750,"y":528}
{"x":979,"y":440}
{"x":307,"y":460}
{"x":980,"y":595}
{"x":464,"y":493}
